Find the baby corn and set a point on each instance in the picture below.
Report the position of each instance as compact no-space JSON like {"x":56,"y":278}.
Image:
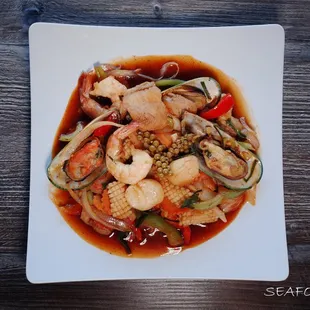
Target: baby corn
{"x":119,"y":205}
{"x":194,"y":217}
{"x":176,"y":194}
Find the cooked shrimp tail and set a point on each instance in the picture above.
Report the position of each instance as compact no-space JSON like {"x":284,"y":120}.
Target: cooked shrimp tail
{"x":89,"y":106}
{"x":116,"y":155}
{"x":128,"y":130}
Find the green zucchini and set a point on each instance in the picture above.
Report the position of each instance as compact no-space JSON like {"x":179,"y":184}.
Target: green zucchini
{"x":208,"y":204}
{"x":168,"y":82}
{"x":62,"y":183}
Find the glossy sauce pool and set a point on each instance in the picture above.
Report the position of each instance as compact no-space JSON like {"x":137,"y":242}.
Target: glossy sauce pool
{"x":155,"y":245}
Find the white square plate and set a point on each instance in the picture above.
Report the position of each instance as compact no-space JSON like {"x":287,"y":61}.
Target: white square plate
{"x":254,"y":246}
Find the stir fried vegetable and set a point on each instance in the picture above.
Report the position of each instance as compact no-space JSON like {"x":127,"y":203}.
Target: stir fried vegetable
{"x":209,"y":204}
{"x":105,"y":129}
{"x":225,"y":104}
{"x":69,"y":136}
{"x":189,"y":202}
{"x":155,"y":221}
{"x":168,"y":82}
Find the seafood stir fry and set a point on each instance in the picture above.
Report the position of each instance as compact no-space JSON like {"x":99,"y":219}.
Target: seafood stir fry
{"x":155,"y":155}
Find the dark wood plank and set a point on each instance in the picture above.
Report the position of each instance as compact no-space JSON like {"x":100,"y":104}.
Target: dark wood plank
{"x":15,"y":18}
{"x":157,"y":294}
{"x":152,"y":294}
{"x":17,"y":15}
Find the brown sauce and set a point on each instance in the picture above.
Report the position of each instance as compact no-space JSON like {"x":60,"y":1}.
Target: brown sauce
{"x":155,"y":245}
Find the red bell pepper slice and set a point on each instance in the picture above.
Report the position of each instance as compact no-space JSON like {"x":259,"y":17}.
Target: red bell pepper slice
{"x":138,"y":234}
{"x":225,"y":104}
{"x":186,"y":232}
{"x":104,"y":130}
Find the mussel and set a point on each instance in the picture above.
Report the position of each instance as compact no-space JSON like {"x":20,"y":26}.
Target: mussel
{"x":192,"y":95}
{"x":223,"y":162}
{"x":221,"y":156}
{"x":87,"y":158}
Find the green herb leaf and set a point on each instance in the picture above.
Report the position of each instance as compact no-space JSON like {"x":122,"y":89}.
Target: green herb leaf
{"x":104,"y":185}
{"x":188,"y":202}
{"x":101,"y":74}
{"x":219,"y":132}
{"x":238,"y":132}
{"x":205,"y":90}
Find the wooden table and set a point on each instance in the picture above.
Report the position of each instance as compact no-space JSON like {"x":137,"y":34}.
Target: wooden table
{"x":15,"y":18}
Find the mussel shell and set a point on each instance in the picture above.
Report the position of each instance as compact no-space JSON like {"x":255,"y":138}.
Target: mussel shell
{"x":223,"y":162}
{"x":212,"y":86}
{"x":76,"y":169}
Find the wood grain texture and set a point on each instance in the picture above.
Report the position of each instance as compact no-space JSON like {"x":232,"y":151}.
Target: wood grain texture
{"x":15,"y":18}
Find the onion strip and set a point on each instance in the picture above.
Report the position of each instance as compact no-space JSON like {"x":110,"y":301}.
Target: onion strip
{"x":74,"y":195}
{"x":163,"y":71}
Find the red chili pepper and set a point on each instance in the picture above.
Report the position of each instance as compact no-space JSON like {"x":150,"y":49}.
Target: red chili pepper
{"x":104,"y":130}
{"x":187,"y":232}
{"x":138,"y":234}
{"x":225,"y":104}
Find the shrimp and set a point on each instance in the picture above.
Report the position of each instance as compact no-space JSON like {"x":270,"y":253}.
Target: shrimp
{"x":90,"y":107}
{"x":145,"y":106}
{"x":144,"y":195}
{"x":108,"y":87}
{"x":113,"y":89}
{"x":116,"y":155}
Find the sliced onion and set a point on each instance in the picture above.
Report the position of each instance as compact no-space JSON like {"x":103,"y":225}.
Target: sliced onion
{"x":220,"y":214}
{"x":250,"y":133}
{"x":251,"y":195}
{"x":244,"y":124}
{"x":233,"y":204}
{"x":104,"y":219}
{"x":124,"y":73}
{"x":74,"y":195}
{"x":163,"y":71}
